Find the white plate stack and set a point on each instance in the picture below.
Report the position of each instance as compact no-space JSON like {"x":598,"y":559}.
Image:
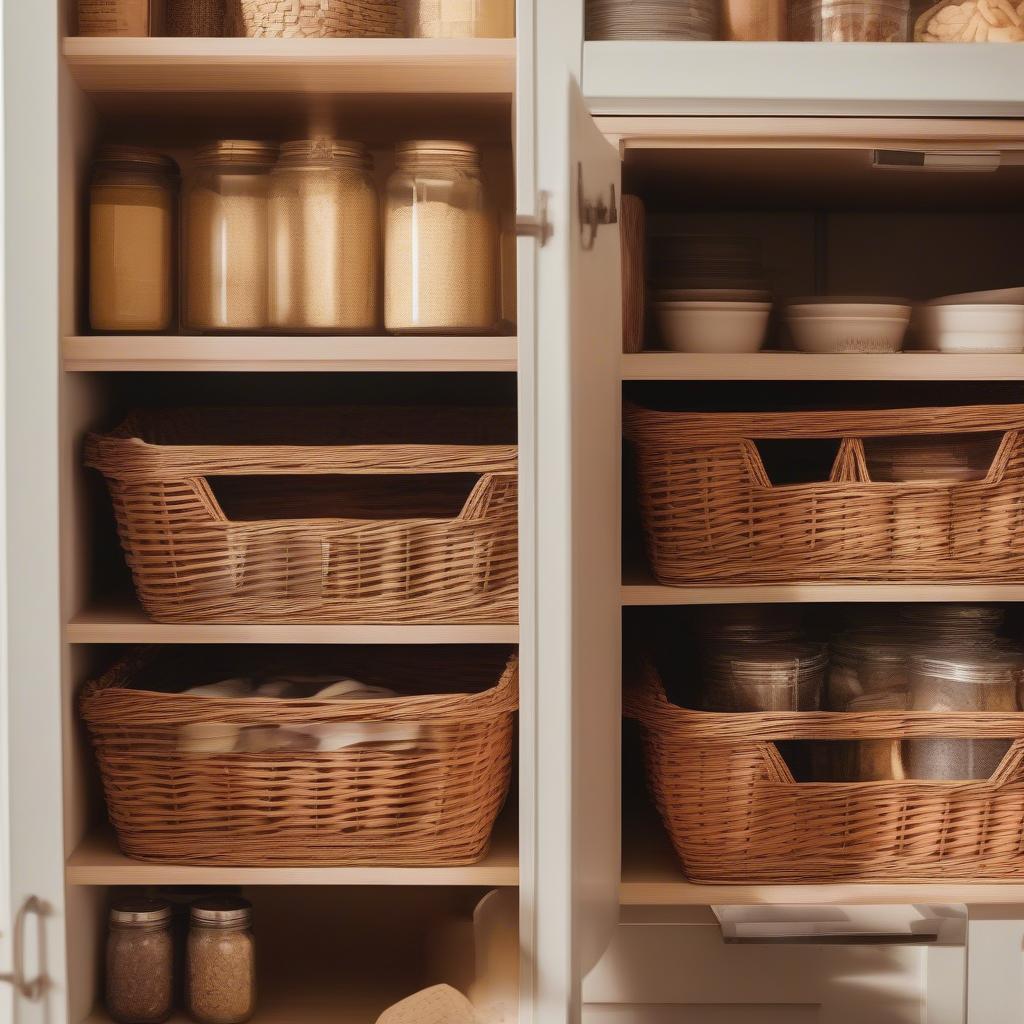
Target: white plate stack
{"x":652,"y":19}
{"x":834,"y":324}
{"x":973,"y":322}
{"x":710,"y":293}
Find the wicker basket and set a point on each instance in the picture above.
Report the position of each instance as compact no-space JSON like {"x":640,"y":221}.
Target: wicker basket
{"x":317,"y":515}
{"x":349,"y":18}
{"x":430,"y":801}
{"x":711,"y":513}
{"x":734,"y":813}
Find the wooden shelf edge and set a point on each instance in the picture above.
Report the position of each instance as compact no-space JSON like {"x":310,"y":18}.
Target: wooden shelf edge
{"x":98,"y":862}
{"x":657,"y":365}
{"x":118,"y":353}
{"x":122,"y":621}
{"x":394,"y":66}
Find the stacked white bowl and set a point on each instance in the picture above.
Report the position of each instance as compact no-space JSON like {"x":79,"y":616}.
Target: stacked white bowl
{"x":831,"y":324}
{"x":974,"y":322}
{"x":709,"y":293}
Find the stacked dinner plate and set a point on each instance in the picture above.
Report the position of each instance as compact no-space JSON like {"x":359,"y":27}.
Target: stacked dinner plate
{"x":652,"y":19}
{"x":709,"y":293}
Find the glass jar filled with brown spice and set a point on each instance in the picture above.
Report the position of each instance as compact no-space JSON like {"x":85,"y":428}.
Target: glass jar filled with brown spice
{"x":140,"y":962}
{"x":221,"y":961}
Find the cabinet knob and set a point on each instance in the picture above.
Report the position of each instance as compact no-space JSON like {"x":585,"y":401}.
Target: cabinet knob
{"x":31,"y":989}
{"x":594,"y":213}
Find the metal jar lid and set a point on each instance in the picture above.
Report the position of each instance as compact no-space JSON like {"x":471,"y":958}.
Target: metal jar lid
{"x":140,"y":911}
{"x":237,"y":151}
{"x":136,"y":157}
{"x":222,"y":912}
{"x":437,"y":151}
{"x":324,"y":151}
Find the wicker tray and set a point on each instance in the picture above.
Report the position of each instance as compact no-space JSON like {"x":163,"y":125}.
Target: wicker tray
{"x":317,"y":515}
{"x":711,"y":513}
{"x":431,"y":801}
{"x":734,"y":813}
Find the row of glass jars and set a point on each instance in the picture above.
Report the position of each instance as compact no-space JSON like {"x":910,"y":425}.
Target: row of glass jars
{"x":291,"y":238}
{"x":218,"y":958}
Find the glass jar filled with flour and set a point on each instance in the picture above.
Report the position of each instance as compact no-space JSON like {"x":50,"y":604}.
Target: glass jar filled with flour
{"x":133,"y":198}
{"x":440,"y":242}
{"x":324,"y":217}
{"x":224,"y":237}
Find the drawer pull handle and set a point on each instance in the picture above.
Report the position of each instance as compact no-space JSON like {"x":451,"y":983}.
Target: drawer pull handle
{"x":31,"y":989}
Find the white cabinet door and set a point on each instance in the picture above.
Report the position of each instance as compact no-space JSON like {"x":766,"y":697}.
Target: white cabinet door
{"x":578,"y":345}
{"x":30,"y":728}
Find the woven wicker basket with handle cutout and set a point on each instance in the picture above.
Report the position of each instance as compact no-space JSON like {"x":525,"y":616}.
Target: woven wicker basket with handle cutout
{"x":711,"y":513}
{"x":430,"y":800}
{"x":345,"y":18}
{"x":734,"y":813}
{"x":317,"y":514}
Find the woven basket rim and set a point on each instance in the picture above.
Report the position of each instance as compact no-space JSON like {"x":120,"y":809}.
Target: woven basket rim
{"x":647,"y":703}
{"x":108,"y":694}
{"x":824,"y":423}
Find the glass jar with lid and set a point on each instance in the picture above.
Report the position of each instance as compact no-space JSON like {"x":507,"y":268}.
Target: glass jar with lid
{"x":221,"y":980}
{"x":140,"y":962}
{"x":850,"y":21}
{"x":480,"y":19}
{"x":224,"y":237}
{"x":765,"y":677}
{"x":440,"y":242}
{"x":132,"y":208}
{"x":966,"y":678}
{"x":324,"y":235}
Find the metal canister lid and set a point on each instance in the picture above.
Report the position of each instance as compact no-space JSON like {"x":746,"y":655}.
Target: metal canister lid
{"x":140,"y":911}
{"x":325,"y":150}
{"x":437,"y":151}
{"x":237,"y":151}
{"x":136,"y":156}
{"x":222,"y":912}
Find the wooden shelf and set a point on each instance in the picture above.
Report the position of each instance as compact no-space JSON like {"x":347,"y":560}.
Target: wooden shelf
{"x":802,"y":79}
{"x":124,"y":622}
{"x":385,"y":66}
{"x":218,"y":353}
{"x":802,"y":366}
{"x":639,"y":589}
{"x":98,"y":861}
{"x":652,"y":876}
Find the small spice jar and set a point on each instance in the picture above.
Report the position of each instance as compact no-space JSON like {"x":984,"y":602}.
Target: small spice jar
{"x":324,"y":238}
{"x":440,"y":242}
{"x":961,"y":679}
{"x":221,"y":979}
{"x":132,"y":201}
{"x":140,"y":962}
{"x":461,"y":19}
{"x":224,"y":237}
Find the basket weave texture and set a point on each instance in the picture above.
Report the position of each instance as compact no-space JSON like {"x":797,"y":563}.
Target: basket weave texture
{"x":734,"y":813}
{"x":344,"y":527}
{"x":432,"y":801}
{"x":710,"y":512}
{"x":348,"y":18}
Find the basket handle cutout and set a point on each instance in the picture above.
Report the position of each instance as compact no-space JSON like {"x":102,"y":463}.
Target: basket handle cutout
{"x":330,"y":496}
{"x":777,"y":462}
{"x":939,"y":458}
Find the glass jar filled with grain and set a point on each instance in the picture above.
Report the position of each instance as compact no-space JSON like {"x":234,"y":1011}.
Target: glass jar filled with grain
{"x":132,"y":201}
{"x":224,"y":237}
{"x":324,"y":217}
{"x":440,"y":242}
{"x":140,"y":962}
{"x":221,"y":979}
{"x":461,"y":19}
